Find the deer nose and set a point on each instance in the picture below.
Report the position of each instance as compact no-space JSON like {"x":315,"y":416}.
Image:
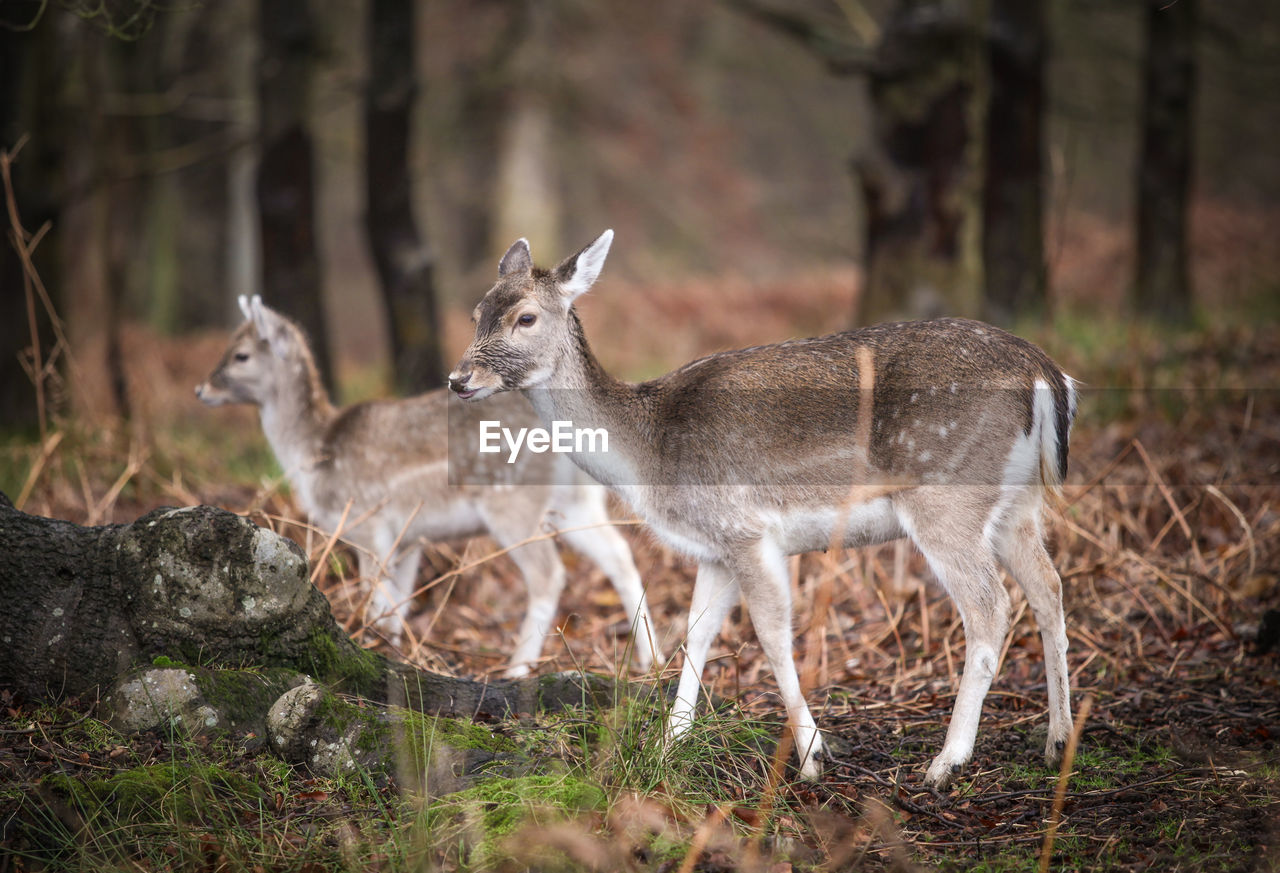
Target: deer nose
{"x":459,"y":378}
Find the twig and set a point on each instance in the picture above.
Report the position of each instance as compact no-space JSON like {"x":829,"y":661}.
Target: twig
{"x":46,"y":450}
{"x":1244,"y":523}
{"x":330,"y":542}
{"x":1059,"y":796}
{"x":1167,"y":493}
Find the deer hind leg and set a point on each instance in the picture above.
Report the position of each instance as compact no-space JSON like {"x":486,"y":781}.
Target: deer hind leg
{"x":766,"y":586}
{"x":404,"y":579}
{"x":391,"y":577}
{"x":1020,"y":546}
{"x":965,"y":565}
{"x":714,"y":593}
{"x":589,"y":531}
{"x":543,"y":574}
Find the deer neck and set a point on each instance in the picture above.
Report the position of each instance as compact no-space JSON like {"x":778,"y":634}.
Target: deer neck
{"x":580,"y":391}
{"x":295,"y":420}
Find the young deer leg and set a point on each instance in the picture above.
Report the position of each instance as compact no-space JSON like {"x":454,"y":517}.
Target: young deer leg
{"x":975,"y":586}
{"x":602,"y":543}
{"x":544,"y":578}
{"x":404,"y":578}
{"x":543,"y":574}
{"x":766,"y":588}
{"x":1021,"y":550}
{"x":384,"y":571}
{"x":714,"y":593}
{"x":947,"y":528}
{"x":377,"y":604}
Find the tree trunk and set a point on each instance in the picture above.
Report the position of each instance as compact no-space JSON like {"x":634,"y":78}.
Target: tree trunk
{"x":29,"y":66}
{"x":97,"y":203}
{"x":917,"y":180}
{"x":1163,"y":287}
{"x":527,"y":194}
{"x":1012,"y":230}
{"x":244,"y":256}
{"x":286,"y":192}
{"x":86,"y":605}
{"x":404,"y":261}
{"x":188,"y":273}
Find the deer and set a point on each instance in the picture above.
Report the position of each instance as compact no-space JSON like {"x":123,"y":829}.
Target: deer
{"x":385,"y":467}
{"x":949,"y":432}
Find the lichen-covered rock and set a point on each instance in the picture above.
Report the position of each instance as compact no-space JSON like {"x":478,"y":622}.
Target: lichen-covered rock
{"x":159,"y":697}
{"x":197,"y":700}
{"x":206,"y":574}
{"x":199,"y":585}
{"x":310,"y":725}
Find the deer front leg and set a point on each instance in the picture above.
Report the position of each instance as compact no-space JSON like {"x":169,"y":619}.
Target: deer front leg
{"x":544,"y":578}
{"x":714,"y":593}
{"x":766,"y":587}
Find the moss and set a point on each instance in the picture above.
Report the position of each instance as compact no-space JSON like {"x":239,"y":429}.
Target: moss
{"x":165,"y":661}
{"x":424,"y":731}
{"x":243,"y":697}
{"x":100,"y":736}
{"x":373,"y":733}
{"x":484,"y":815}
{"x":346,"y":667}
{"x":422,"y":737}
{"x":155,"y":791}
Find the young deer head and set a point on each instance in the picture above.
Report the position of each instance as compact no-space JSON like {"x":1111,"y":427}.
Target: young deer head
{"x":525,"y":324}
{"x":267,"y":357}
{"x":948,"y":432}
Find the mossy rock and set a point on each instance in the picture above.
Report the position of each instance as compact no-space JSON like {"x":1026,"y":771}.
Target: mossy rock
{"x":332,"y":735}
{"x":197,"y":700}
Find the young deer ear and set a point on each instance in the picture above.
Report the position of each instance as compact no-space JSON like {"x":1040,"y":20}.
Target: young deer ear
{"x":244,"y":307}
{"x":578,"y":273}
{"x":516,"y":260}
{"x":270,"y":326}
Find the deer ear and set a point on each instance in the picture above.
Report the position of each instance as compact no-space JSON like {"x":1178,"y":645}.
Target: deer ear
{"x":578,"y":273}
{"x":270,"y":326}
{"x":516,"y":260}
{"x":244,"y":307}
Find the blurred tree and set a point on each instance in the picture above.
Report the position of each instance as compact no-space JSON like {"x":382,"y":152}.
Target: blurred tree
{"x":404,"y":261}
{"x":286,"y":191}
{"x":183,"y":91}
{"x":528,"y":203}
{"x":918,"y":180}
{"x":98,"y":207}
{"x":918,"y":175}
{"x":27,"y":66}
{"x":1012,"y":187}
{"x":1163,"y":285}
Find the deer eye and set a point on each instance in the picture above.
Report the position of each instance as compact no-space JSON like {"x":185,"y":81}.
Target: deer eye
{"x":527,"y":319}
{"x":241,"y":356}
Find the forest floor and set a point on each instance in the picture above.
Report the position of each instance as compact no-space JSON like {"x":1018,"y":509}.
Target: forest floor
{"x":1168,"y":542}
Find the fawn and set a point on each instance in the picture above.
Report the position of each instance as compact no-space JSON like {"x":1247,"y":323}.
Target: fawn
{"x":948,"y":432}
{"x":389,"y":460}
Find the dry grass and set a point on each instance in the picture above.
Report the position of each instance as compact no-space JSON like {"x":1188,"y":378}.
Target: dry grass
{"x":1168,"y":542}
